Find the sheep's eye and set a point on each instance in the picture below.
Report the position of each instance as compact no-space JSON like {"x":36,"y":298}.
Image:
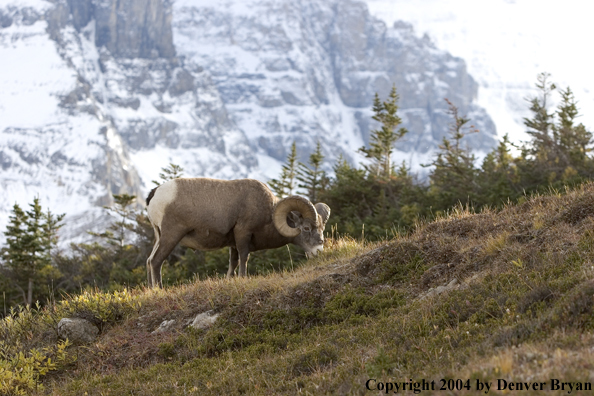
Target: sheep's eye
{"x":307,"y":229}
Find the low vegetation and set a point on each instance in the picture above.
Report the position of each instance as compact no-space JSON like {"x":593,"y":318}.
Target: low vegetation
{"x":414,"y":291}
{"x":496,"y":295}
{"x":375,"y":200}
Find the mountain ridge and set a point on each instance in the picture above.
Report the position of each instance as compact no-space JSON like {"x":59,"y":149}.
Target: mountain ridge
{"x":223,"y":91}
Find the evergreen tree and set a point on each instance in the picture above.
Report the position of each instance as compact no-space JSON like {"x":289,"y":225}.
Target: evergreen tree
{"x":382,"y":140}
{"x":312,"y":177}
{"x":574,"y":140}
{"x":347,"y":196}
{"x":499,"y":180}
{"x":453,"y":178}
{"x":557,"y":153}
{"x":541,"y":159}
{"x":16,"y":255}
{"x":30,"y":236}
{"x":172,"y":171}
{"x":285,"y":185}
{"x":540,"y":125}
{"x":118,"y":262}
{"x":117,"y":231}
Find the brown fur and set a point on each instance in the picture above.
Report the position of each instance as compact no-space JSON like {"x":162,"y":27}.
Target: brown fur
{"x":208,"y":214}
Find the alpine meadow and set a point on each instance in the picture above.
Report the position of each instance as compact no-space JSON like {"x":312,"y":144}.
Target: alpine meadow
{"x":480,"y":277}
{"x":421,"y":250}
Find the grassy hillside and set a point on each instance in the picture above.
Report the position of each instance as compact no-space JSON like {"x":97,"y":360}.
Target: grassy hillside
{"x":473,"y":297}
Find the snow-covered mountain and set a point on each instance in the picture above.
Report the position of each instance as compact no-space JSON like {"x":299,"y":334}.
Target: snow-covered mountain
{"x":97,"y":95}
{"x":506,"y":43}
{"x":308,"y":70}
{"x":92,"y":105}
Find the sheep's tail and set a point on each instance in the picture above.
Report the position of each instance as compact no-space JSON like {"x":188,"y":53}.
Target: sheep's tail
{"x":151,"y":195}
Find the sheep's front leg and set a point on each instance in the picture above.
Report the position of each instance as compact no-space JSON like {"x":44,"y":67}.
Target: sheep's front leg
{"x":233,"y":261}
{"x":243,"y":249}
{"x":244,"y":256}
{"x":242,"y":244}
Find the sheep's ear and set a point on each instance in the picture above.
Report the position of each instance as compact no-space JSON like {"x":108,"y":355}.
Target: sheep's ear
{"x":294,"y":219}
{"x":324,"y":211}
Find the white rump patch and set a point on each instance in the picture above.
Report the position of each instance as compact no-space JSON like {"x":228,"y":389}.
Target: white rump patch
{"x":164,"y":195}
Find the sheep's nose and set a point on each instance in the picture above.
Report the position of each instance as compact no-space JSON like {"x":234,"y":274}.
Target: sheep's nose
{"x":314,"y":252}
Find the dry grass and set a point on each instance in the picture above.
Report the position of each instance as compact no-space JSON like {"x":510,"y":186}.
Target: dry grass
{"x":521,"y":310}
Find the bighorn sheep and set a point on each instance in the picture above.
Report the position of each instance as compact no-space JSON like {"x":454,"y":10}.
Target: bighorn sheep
{"x":208,"y":214}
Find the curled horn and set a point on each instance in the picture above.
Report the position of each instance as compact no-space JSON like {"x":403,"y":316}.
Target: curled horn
{"x":287,"y":205}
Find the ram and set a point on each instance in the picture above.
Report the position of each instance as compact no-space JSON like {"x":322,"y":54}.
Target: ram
{"x":209,"y":214}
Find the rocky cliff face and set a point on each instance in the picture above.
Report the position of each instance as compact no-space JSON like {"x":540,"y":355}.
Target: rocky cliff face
{"x":307,"y":70}
{"x":127,"y":29}
{"x":97,"y":95}
{"x":95,"y":102}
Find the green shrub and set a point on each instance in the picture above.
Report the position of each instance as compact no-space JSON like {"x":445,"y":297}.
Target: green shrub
{"x":100,"y":308}
{"x":381,"y":365}
{"x":316,"y":359}
{"x":20,"y":373}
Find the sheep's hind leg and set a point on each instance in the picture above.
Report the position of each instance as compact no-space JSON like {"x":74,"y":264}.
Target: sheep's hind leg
{"x":233,"y":261}
{"x":166,"y":246}
{"x":151,"y":256}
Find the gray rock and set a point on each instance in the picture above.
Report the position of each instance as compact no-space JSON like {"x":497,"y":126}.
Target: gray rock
{"x":133,"y":103}
{"x":453,"y":284}
{"x":181,"y":83}
{"x":128,"y":28}
{"x":5,"y":20}
{"x":204,"y":320}
{"x":78,"y":331}
{"x":166,"y":325}
{"x":5,"y":160}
